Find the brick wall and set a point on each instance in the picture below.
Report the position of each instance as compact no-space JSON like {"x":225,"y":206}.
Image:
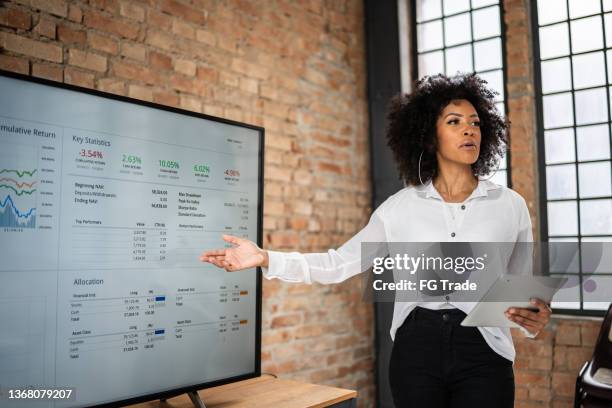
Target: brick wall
{"x":295,"y":67}
{"x":545,"y":368}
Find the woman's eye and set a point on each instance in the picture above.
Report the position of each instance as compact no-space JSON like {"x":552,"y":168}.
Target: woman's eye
{"x":477,"y":123}
{"x":453,"y":121}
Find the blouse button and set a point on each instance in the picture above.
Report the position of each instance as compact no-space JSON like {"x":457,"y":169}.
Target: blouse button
{"x":463,"y":207}
{"x":453,"y":234}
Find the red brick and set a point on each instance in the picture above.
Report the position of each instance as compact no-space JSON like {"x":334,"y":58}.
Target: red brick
{"x":14,"y":64}
{"x":183,"y":29}
{"x":158,"y":20}
{"x":206,"y":37}
{"x":589,"y":332}
{"x":15,"y":18}
{"x":132,"y":11}
{"x":111,"y":85}
{"x":57,"y":7}
{"x":185,"y":67}
{"x":111,"y":25}
{"x":47,"y":71}
{"x":32,"y":48}
{"x":166,"y":98}
{"x":532,"y":378}
{"x":568,"y":334}
{"x":77,"y":77}
{"x":134,"y":51}
{"x":75,"y":13}
{"x":103,"y":43}
{"x":135,"y":72}
{"x":68,"y":35}
{"x":161,"y":40}
{"x":46,"y":28}
{"x":159,"y":61}
{"x":140,"y":92}
{"x":285,"y":321}
{"x":181,"y":10}
{"x":87,"y":60}
{"x":564,"y":384}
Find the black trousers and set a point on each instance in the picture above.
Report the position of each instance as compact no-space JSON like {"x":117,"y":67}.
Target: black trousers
{"x":435,"y":362}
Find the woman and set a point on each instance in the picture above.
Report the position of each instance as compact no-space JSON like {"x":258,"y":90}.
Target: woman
{"x":444,"y":136}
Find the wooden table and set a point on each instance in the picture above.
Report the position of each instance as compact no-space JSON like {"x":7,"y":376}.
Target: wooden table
{"x":264,"y":392}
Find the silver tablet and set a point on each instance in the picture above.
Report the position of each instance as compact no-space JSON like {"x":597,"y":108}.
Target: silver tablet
{"x":511,"y":291}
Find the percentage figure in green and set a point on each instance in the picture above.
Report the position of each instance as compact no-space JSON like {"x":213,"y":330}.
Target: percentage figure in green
{"x":131,"y":159}
{"x":168,"y":164}
{"x":201,"y":168}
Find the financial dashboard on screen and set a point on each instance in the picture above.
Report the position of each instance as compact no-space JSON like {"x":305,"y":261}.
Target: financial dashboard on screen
{"x":105,"y":206}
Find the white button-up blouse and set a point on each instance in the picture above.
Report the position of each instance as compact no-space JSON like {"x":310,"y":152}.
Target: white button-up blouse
{"x":492,"y":213}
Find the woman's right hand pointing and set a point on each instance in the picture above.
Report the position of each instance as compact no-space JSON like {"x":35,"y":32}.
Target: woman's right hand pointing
{"x":243,"y":254}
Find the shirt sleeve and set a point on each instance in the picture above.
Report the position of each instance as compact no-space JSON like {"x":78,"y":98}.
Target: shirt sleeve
{"x":524,"y":251}
{"x":521,"y":258}
{"x":335,"y":265}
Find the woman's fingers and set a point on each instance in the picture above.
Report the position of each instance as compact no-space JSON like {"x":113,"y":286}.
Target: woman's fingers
{"x":212,"y":252}
{"x":232,"y":239}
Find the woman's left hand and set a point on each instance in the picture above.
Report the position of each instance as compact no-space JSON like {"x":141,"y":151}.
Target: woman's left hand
{"x":530,"y":320}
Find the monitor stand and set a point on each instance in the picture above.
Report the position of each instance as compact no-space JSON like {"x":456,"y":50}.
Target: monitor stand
{"x":195,"y":399}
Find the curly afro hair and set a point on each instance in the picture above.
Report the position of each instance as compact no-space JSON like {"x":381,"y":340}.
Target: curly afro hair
{"x":412,"y":120}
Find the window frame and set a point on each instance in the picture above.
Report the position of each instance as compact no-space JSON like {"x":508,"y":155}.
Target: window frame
{"x":414,"y":57}
{"x":541,"y":145}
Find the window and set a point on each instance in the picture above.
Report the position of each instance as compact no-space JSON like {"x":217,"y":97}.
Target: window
{"x":573,"y":69}
{"x":451,"y":36}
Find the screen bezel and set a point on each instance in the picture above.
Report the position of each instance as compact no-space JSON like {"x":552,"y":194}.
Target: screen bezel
{"x":261,"y":132}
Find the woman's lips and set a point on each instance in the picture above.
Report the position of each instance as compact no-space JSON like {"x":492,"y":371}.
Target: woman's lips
{"x":467,"y":147}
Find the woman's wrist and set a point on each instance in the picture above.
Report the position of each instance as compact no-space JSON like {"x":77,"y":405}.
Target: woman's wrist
{"x":266,"y":259}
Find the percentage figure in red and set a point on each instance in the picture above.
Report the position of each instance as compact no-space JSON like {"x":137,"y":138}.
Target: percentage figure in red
{"x":92,"y":154}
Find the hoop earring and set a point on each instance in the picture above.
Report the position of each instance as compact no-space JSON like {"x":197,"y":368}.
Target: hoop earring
{"x":497,"y":168}
{"x":420,"y":156}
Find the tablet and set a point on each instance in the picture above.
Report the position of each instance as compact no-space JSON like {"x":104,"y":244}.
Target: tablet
{"x":511,"y":291}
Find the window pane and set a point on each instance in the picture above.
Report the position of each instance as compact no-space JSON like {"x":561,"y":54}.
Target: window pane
{"x":559,"y":145}
{"x":459,"y":59}
{"x":596,"y":292}
{"x":581,"y":8}
{"x":487,"y":54}
{"x":551,"y":11}
{"x":558,"y":110}
{"x":586,"y":34}
{"x":431,"y":63}
{"x":593,"y":142}
{"x":457,"y":29}
{"x":500,"y":177}
{"x":556,"y":75}
{"x":594,"y":179}
{"x":554,"y":41}
{"x":607,"y":4}
{"x":562,"y":218}
{"x":589,"y":70}
{"x":428,"y":9}
{"x":429,"y":36}
{"x":568,"y":297}
{"x":596,"y":216}
{"x":482,"y":3}
{"x":591,"y":106}
{"x":561,"y":181}
{"x":500,"y":108}
{"x":608,"y":23}
{"x":503,"y":163}
{"x":495,"y":81}
{"x":455,"y":6}
{"x":486,"y":22}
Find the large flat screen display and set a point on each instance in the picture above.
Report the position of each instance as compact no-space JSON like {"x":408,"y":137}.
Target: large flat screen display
{"x":105,"y":205}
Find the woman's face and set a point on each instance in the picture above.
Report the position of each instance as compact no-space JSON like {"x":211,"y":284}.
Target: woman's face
{"x":458,"y":131}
